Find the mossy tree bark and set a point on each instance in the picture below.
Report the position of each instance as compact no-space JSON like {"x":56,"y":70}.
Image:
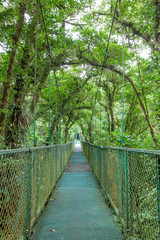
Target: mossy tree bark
{"x":7,"y":84}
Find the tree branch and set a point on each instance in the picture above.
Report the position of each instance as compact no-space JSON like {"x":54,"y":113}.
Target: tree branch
{"x":76,"y":24}
{"x":146,"y":37}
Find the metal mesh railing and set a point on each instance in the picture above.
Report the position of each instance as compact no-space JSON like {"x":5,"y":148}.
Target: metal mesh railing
{"x":27,"y":180}
{"x":130,"y":180}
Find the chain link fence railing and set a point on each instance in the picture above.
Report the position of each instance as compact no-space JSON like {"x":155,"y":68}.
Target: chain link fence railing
{"x":27,"y":178}
{"x":130,"y":180}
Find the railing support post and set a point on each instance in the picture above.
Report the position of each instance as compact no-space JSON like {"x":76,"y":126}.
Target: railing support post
{"x":126,"y":168}
{"x":158,"y":189}
{"x":28,"y":216}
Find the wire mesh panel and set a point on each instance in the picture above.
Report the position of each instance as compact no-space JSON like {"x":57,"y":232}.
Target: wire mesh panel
{"x":130,"y":179}
{"x":143,"y":194}
{"x":27,"y":180}
{"x":14,"y":167}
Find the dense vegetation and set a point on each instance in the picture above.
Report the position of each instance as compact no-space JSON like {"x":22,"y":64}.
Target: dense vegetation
{"x":78,"y":33}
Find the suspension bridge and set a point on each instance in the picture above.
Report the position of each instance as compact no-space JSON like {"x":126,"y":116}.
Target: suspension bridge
{"x":95,"y":185}
{"x":74,"y":192}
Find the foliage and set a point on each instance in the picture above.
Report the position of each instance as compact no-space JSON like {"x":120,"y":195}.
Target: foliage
{"x":78,"y":73}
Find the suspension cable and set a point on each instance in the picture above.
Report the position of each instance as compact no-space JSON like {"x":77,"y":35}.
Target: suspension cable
{"x":105,"y":57}
{"x":111,"y":27}
{"x":49,"y":48}
{"x":107,"y":122}
{"x":35,"y":79}
{"x":49,"y":52}
{"x":57,"y":133}
{"x":106,"y":50}
{"x":122,"y":141}
{"x":100,"y":124}
{"x":49,"y":120}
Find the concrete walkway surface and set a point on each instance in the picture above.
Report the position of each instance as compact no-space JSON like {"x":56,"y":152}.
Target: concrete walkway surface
{"x":77,"y":210}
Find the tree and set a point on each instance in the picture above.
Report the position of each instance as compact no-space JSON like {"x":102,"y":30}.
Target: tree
{"x":12,"y":59}
{"x":78,"y":70}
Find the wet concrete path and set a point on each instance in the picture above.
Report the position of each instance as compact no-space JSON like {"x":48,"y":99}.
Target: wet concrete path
{"x":77,"y":210}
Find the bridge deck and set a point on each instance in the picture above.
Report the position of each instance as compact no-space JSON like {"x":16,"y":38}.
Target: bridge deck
{"x":77,"y":210}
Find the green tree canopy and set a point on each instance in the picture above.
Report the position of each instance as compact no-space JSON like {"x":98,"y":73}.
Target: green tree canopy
{"x":78,"y":87}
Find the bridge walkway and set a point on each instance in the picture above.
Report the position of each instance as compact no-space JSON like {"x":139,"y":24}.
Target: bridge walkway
{"x":77,"y":210}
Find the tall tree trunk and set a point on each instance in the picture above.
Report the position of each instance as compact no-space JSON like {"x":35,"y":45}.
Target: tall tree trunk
{"x":111,"y":100}
{"x":85,"y":137}
{"x":90,"y":128}
{"x":7,"y":84}
{"x":15,"y":118}
{"x":40,"y":85}
{"x":66,"y":134}
{"x":90,"y":132}
{"x":144,"y":111}
{"x":140,"y":101}
{"x":141,"y":78}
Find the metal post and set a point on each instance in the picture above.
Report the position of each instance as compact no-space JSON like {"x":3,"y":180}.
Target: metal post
{"x":158,"y":188}
{"x":28,"y":217}
{"x":100,"y":125}
{"x":95,"y":130}
{"x":107,"y":122}
{"x":125,"y":159}
{"x":49,"y":120}
{"x":100,"y":165}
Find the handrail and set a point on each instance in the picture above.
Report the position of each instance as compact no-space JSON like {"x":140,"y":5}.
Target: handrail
{"x":130,"y":180}
{"x":30,"y":149}
{"x":126,"y":148}
{"x":28,"y":176}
